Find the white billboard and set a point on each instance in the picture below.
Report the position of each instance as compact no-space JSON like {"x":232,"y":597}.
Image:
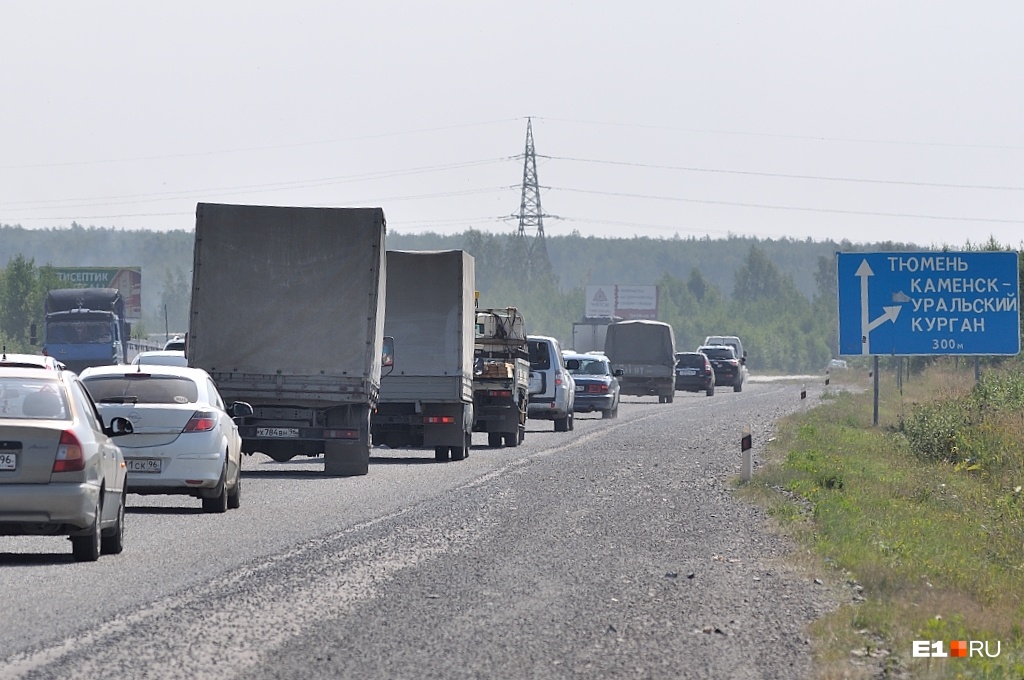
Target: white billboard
{"x":624,"y":302}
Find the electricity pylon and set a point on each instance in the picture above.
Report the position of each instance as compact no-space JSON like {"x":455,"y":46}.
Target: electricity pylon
{"x":531,"y":215}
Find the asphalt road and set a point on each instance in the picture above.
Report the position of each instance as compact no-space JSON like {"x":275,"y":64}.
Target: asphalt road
{"x":617,"y":550}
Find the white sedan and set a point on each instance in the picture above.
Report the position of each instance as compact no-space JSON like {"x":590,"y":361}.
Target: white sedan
{"x":184,"y":442}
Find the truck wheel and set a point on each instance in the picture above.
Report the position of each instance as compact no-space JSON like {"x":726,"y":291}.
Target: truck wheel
{"x":511,"y":438}
{"x":669,"y":397}
{"x":562,"y":424}
{"x":346,"y":460}
{"x":493,"y":439}
{"x":522,"y":433}
{"x":441,"y":454}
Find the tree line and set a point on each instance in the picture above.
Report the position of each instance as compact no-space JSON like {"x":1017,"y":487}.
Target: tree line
{"x":780,"y":296}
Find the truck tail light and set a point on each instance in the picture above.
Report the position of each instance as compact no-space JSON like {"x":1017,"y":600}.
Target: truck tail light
{"x":70,"y":457}
{"x":341,"y":434}
{"x":438,"y":420}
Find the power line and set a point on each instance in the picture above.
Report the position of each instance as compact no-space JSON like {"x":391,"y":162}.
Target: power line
{"x":742,"y":133}
{"x":755,"y":173}
{"x":765,"y":206}
{"x":296,"y":145}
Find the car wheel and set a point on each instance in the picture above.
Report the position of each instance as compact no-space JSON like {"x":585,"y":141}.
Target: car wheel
{"x":441,"y":454}
{"x":113,"y":542}
{"x":572,"y":421}
{"x":711,"y":390}
{"x":87,"y":548}
{"x":738,"y":387}
{"x":235,"y":497}
{"x":562,"y":424}
{"x":219,"y":503}
{"x":493,"y":439}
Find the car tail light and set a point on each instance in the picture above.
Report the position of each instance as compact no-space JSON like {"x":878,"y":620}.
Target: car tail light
{"x":201,"y":421}
{"x":70,"y":457}
{"x":597,"y":389}
{"x":499,"y":393}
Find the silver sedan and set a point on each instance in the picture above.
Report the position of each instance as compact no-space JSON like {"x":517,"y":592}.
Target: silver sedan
{"x":60,"y":472}
{"x":184,"y":440}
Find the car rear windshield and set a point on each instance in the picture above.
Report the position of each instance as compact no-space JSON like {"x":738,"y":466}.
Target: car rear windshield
{"x":142,"y":388}
{"x":540,"y":357}
{"x":592,"y":367}
{"x":690,"y":361}
{"x":718,"y":352}
{"x":28,"y":398}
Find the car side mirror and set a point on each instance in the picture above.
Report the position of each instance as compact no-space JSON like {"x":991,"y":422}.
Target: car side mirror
{"x":617,"y":372}
{"x":240,"y":409}
{"x":119,"y":426}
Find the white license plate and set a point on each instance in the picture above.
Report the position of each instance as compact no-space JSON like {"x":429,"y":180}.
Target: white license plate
{"x":277,"y":432}
{"x":8,"y":461}
{"x":687,"y":371}
{"x":581,"y":388}
{"x":143,"y":464}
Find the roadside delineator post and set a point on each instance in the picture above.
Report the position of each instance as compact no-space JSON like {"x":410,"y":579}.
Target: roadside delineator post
{"x":827,"y":376}
{"x":747,"y":466}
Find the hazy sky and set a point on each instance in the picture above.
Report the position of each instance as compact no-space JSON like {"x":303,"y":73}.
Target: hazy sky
{"x":866,"y":121}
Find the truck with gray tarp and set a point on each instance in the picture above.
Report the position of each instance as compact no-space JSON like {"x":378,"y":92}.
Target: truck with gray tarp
{"x":287,"y":314}
{"x":426,"y":400}
{"x":645,"y":351}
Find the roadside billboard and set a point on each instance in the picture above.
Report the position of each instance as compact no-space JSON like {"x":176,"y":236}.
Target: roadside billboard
{"x":621,"y":301}
{"x":128,"y":280}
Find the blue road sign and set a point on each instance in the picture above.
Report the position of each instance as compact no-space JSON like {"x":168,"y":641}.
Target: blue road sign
{"x":907,"y":304}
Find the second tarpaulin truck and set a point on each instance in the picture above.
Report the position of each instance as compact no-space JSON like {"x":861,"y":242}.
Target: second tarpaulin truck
{"x":287,"y":314}
{"x":645,"y":352}
{"x":501,"y":377}
{"x":86,"y":327}
{"x":426,"y":400}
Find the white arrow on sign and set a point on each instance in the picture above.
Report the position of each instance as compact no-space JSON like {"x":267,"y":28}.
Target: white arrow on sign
{"x":865,"y":272}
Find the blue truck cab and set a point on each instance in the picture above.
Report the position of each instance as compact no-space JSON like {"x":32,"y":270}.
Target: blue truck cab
{"x":86,"y":327}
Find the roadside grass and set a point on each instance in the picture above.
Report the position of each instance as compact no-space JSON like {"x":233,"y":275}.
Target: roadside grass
{"x":921,"y":519}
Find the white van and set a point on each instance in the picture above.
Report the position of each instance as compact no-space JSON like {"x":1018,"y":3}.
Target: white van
{"x":731,"y":341}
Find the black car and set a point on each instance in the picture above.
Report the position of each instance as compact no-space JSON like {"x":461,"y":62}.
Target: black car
{"x":597,"y":388}
{"x":729,"y":370}
{"x":694,"y":373}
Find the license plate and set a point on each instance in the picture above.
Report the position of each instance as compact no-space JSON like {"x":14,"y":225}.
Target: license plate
{"x":277,"y":432}
{"x":581,"y":388}
{"x":143,"y":464}
{"x":687,"y":371}
{"x":8,"y":461}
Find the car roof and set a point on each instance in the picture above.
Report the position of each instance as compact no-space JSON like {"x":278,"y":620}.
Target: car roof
{"x":19,"y":371}
{"x":14,"y":360}
{"x":578,"y":355}
{"x":160,"y":370}
{"x":157,"y":353}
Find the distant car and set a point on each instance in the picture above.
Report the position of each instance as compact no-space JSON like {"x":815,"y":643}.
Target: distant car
{"x":61,"y":474}
{"x":185,"y":440}
{"x":731,"y":340}
{"x":694,"y":373}
{"x":597,"y":388}
{"x":729,"y":370}
{"x":10,"y":360}
{"x":837,"y":365}
{"x":552,"y":389}
{"x":176,"y":342}
{"x":166,"y":357}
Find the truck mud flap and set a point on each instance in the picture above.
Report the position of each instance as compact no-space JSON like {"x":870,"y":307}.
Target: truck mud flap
{"x":346,"y":459}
